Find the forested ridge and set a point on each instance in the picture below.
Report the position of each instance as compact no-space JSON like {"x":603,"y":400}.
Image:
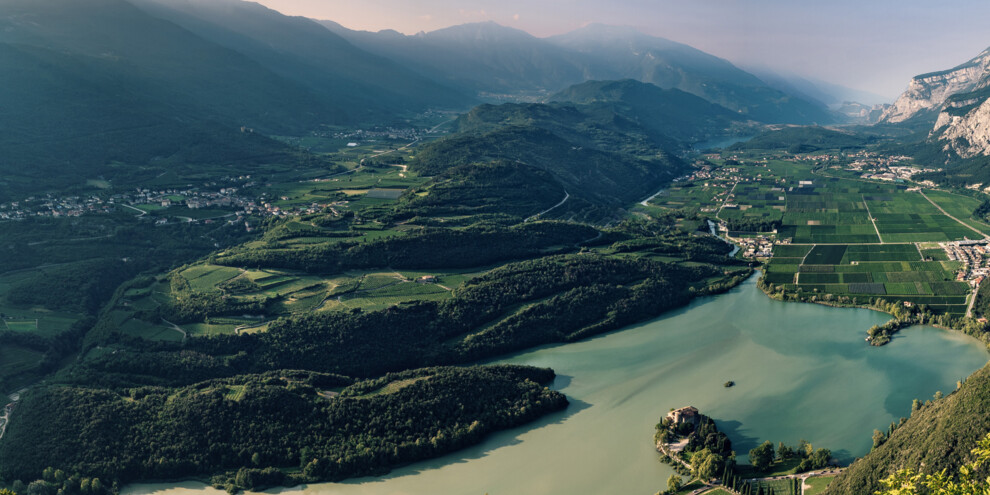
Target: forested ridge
{"x":431,"y":248}
{"x":273,"y":420}
{"x":550,"y":299}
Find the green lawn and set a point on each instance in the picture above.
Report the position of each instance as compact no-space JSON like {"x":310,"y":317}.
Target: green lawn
{"x":817,"y":484}
{"x":779,"y":468}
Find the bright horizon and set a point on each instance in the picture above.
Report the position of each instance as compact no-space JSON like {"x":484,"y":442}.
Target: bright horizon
{"x":872,"y":46}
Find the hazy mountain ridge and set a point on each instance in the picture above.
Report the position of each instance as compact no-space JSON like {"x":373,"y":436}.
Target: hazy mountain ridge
{"x":670,"y":112}
{"x":815,"y":90}
{"x":105,"y":87}
{"x":355,"y":82}
{"x":480,"y":57}
{"x":494,"y":60}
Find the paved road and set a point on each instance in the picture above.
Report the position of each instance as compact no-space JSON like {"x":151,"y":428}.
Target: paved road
{"x":143,"y":213}
{"x":872,"y":220}
{"x":727,"y":196}
{"x":972,"y":301}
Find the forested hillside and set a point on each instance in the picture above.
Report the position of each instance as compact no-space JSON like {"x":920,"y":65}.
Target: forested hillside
{"x":599,"y":181}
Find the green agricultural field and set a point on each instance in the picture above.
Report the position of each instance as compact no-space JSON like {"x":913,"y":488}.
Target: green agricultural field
{"x":148,"y":331}
{"x":826,"y":255}
{"x":961,"y":207}
{"x":21,"y":325}
{"x":392,"y":295}
{"x":692,"y":197}
{"x":41,"y":321}
{"x":209,"y":329}
{"x":780,"y":487}
{"x":849,"y":237}
{"x":886,"y":252}
{"x":15,"y":359}
{"x":206,"y":277}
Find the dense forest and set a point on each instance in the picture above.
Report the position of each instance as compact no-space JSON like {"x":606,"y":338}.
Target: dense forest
{"x":500,"y":187}
{"x":247,"y":425}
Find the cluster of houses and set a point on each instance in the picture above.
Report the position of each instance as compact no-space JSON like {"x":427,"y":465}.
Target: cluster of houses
{"x":755,"y":247}
{"x":212,"y":195}
{"x":875,"y":166}
{"x":973,"y":255}
{"x":408,"y":133}
{"x":50,"y":206}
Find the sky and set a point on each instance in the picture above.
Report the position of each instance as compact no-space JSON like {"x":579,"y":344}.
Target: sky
{"x":870,"y":45}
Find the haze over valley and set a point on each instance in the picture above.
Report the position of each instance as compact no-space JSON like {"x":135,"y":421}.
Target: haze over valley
{"x":652,"y":248}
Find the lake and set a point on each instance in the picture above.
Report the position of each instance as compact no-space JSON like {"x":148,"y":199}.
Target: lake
{"x":801,"y":371}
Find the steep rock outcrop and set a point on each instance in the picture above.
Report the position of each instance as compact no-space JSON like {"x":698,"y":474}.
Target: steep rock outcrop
{"x":967,"y":134}
{"x":927,"y":93}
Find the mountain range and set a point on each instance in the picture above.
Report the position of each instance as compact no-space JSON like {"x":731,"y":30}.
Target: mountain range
{"x":114,"y":87}
{"x":136,"y":87}
{"x":495,"y":61}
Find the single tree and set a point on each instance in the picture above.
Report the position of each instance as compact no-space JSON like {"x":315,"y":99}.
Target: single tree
{"x":762,"y":457}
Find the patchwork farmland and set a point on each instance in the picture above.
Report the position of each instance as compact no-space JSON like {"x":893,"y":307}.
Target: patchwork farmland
{"x":835,"y":235}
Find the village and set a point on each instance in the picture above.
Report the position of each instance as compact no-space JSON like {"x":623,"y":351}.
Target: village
{"x":142,"y":201}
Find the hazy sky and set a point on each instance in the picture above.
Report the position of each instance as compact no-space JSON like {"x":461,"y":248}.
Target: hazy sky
{"x":873,"y":45}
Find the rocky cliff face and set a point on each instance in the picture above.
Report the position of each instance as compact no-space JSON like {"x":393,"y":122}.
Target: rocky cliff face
{"x":927,"y":93}
{"x":959,"y":101}
{"x":968,"y":133}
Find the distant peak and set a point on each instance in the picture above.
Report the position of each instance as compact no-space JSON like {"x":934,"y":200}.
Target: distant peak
{"x":486,"y":29}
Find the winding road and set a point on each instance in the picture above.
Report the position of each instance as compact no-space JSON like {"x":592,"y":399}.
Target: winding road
{"x":567,"y":196}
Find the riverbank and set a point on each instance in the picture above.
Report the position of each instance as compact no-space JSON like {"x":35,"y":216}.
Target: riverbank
{"x":902,"y":316}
